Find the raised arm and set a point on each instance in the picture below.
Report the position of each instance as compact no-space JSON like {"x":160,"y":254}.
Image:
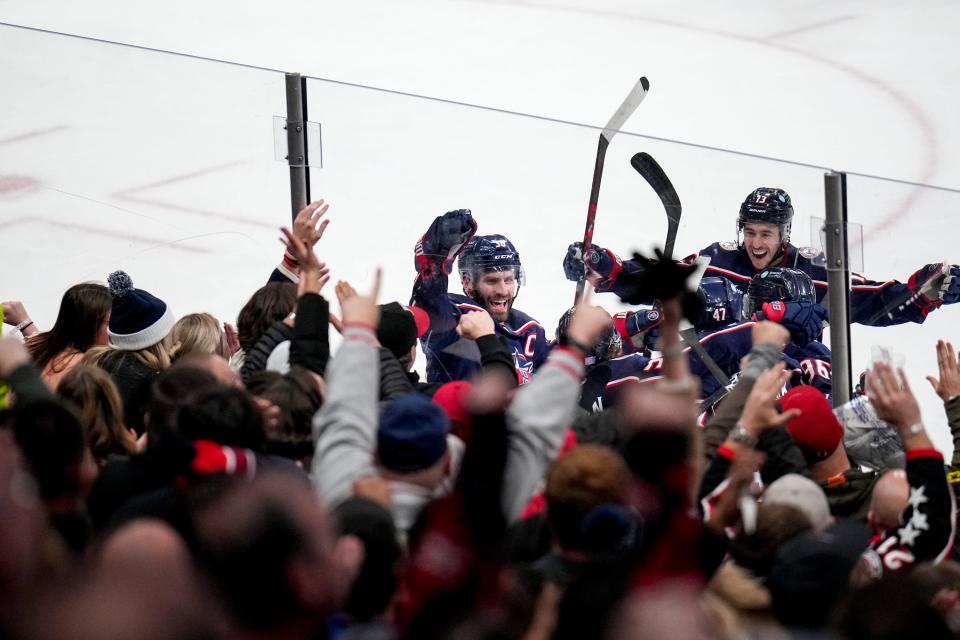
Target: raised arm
{"x":345,"y":427}
{"x":434,"y":255}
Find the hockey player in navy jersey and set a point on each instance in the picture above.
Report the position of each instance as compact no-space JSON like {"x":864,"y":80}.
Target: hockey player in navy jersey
{"x":785,"y":296}
{"x":623,"y":356}
{"x":788,"y":297}
{"x":491,"y":275}
{"x":763,"y":240}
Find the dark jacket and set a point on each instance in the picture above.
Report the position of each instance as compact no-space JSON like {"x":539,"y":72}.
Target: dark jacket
{"x":133,"y":379}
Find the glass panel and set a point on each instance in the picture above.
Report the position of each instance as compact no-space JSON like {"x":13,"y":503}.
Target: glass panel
{"x":904,"y":228}
{"x":119,"y":158}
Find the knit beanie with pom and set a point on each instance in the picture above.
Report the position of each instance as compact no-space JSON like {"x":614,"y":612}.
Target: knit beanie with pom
{"x":138,"y":319}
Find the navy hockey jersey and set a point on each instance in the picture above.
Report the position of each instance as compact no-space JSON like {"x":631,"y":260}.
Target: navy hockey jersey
{"x":872,"y":303}
{"x":450,"y":357}
{"x":727,"y":346}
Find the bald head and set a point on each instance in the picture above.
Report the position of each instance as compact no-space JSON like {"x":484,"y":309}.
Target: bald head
{"x":889,"y":499}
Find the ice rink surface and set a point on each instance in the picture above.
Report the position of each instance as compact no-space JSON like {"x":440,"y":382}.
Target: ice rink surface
{"x":121,"y":157}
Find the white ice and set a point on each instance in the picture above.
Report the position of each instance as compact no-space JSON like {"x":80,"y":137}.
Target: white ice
{"x":114,"y":157}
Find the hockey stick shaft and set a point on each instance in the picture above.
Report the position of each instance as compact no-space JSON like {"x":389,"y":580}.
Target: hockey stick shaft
{"x":657,"y":178}
{"x":592,"y":210}
{"x":689,"y":336}
{"x":616,"y":122}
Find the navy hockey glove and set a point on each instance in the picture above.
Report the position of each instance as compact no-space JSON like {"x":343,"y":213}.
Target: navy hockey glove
{"x":444,"y":239}
{"x":602,"y":262}
{"x":804,"y":320}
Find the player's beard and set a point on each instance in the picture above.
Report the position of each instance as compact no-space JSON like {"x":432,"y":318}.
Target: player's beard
{"x":500,"y":312}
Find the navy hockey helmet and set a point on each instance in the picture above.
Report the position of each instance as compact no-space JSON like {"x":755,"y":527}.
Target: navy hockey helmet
{"x":608,"y":346}
{"x":775,"y":283}
{"x":767,"y":205}
{"x":722,"y":302}
{"x":484,"y":254}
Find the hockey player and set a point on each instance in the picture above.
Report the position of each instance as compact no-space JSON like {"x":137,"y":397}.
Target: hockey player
{"x":491,"y":275}
{"x":787,"y":296}
{"x":763,"y":240}
{"x":622,"y":358}
{"x":724,"y":330}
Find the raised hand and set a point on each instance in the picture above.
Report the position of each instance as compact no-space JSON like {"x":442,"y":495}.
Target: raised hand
{"x":771,"y":332}
{"x":588,"y":323}
{"x":890,"y":395}
{"x":314,"y":274}
{"x":760,"y":412}
{"x":344,"y":291}
{"x":13,"y":312}
{"x":309,"y":225}
{"x":948,"y":385}
{"x":363,"y":309}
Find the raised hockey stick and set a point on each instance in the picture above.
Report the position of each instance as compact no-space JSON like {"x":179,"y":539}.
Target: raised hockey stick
{"x":657,"y":178}
{"x":619,"y":118}
{"x":647,"y":167}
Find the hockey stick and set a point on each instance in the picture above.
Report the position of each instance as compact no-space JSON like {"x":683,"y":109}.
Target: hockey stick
{"x":690,"y":337}
{"x":630,"y":104}
{"x":647,"y":167}
{"x":657,"y":178}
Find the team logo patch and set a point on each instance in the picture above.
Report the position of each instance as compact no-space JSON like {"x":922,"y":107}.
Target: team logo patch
{"x":729,"y":246}
{"x":809,"y":252}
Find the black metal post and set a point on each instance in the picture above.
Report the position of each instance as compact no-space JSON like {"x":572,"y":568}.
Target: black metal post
{"x":296,"y":86}
{"x":838,"y":280}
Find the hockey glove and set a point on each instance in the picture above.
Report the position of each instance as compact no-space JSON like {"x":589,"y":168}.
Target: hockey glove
{"x":445,"y":238}
{"x":639,"y":328}
{"x":804,"y":320}
{"x":950,"y":287}
{"x":604,"y":264}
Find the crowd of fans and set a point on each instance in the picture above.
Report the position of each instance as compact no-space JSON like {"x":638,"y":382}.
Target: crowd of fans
{"x":182,"y":478}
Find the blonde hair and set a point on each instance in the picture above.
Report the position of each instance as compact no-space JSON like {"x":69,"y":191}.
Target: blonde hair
{"x":198,"y":333}
{"x":96,"y":397}
{"x":94,"y":355}
{"x":156,"y":356}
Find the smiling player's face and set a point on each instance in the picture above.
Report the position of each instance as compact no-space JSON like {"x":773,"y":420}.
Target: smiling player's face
{"x":495,"y":291}
{"x":761,"y":242}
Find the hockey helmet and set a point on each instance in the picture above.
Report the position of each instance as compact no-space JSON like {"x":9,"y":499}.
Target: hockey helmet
{"x":767,"y":205}
{"x":775,"y":283}
{"x":484,"y":254}
{"x":722,"y":302}
{"x":608,"y":346}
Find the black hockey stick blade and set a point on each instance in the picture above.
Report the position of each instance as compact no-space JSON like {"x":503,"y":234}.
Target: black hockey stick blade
{"x":616,"y":122}
{"x":657,"y":178}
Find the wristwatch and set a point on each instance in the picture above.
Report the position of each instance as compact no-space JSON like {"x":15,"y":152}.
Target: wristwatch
{"x":741,"y":435}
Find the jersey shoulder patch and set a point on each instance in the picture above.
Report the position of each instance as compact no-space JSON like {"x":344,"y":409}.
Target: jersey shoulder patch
{"x":728,"y":245}
{"x":809,"y":252}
